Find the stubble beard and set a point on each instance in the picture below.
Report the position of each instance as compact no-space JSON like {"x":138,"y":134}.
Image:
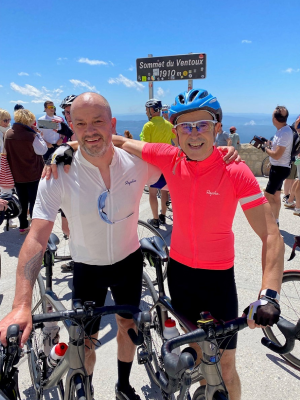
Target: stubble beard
{"x":96,"y":152}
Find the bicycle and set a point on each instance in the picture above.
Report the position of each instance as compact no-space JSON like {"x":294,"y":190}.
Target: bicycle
{"x":44,"y":301}
{"x":180,"y":379}
{"x":265,"y":167}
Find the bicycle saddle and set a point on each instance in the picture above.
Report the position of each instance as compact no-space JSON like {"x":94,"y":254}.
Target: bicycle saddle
{"x":154,"y":246}
{"x":53,"y":242}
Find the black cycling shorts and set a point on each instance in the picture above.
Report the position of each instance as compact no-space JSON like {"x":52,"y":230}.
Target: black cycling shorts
{"x":194,"y":290}
{"x":277,"y":176}
{"x":124,"y":278}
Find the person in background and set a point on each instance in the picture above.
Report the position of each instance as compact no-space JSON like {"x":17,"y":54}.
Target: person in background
{"x":18,"y":107}
{"x":51,"y":136}
{"x":222,"y":138}
{"x":25,"y":147}
{"x":66,"y":106}
{"x":234,"y":137}
{"x":128,"y":135}
{"x":279,"y":152}
{"x":157,"y":130}
{"x":165,"y":111}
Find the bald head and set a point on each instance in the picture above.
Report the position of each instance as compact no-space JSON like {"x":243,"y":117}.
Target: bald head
{"x":91,"y":99}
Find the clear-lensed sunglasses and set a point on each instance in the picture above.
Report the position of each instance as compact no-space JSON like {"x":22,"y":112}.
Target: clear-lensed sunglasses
{"x":103,"y":215}
{"x":201,"y":126}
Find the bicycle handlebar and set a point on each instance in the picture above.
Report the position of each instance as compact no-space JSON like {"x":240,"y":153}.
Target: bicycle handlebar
{"x":290,"y":331}
{"x":175,"y":364}
{"x":139,"y":317}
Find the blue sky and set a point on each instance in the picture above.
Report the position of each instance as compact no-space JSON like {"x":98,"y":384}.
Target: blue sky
{"x":50,"y":49}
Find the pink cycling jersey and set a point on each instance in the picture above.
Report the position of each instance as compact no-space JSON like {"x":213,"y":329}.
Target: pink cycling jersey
{"x":204,"y":200}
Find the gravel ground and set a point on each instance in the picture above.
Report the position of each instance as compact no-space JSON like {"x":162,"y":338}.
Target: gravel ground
{"x":263,"y":374}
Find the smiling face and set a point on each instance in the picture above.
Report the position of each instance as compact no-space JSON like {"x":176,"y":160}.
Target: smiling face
{"x":197,"y":145}
{"x":92,"y":124}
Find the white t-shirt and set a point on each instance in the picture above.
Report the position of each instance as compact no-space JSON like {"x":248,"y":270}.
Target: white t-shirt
{"x":283,"y":137}
{"x":93,"y":241}
{"x":50,"y":135}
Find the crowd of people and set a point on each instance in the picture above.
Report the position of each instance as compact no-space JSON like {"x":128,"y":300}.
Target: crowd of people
{"x":179,"y":148}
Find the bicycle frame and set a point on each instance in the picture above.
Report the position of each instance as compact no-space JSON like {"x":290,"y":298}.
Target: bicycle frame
{"x":210,"y":369}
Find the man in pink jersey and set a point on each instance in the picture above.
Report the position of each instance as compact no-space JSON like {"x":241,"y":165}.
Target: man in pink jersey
{"x":201,"y":273}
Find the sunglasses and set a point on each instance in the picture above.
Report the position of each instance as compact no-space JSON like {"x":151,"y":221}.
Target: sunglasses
{"x":101,"y":204}
{"x":6,"y":120}
{"x":201,"y":126}
{"x":51,"y":107}
{"x":164,"y":112}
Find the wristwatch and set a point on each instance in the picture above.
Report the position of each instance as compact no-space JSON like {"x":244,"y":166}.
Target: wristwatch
{"x":272,"y":294}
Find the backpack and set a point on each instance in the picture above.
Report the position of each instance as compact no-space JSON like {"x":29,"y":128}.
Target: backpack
{"x":296,"y":143}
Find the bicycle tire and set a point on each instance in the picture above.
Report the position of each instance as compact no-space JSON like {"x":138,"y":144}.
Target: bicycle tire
{"x":63,"y":251}
{"x":265,"y":167}
{"x":35,"y":341}
{"x":290,"y":310}
{"x":145,"y":230}
{"x":200,"y":394}
{"x":77,"y":388}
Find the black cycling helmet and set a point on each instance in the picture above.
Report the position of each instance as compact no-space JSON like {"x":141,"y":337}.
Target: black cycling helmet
{"x":67,"y":101}
{"x":13,"y":210}
{"x":18,"y":107}
{"x":155,"y":104}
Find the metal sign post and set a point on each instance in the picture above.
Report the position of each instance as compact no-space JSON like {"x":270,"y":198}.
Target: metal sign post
{"x":150,"y":84}
{"x":190,"y":82}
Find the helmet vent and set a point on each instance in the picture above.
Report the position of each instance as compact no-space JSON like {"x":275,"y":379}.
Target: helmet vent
{"x":181,"y":98}
{"x":193,"y":95}
{"x":203,"y":94}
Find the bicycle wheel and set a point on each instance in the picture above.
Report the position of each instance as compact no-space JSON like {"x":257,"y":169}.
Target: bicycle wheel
{"x":200,"y":394}
{"x":35,"y":341}
{"x":149,"y":298}
{"x":63,"y":251}
{"x":290,"y":310}
{"x":265,"y":167}
{"x":145,"y":230}
{"x":77,"y":388}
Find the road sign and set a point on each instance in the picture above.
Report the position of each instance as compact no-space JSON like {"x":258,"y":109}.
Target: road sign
{"x":186,"y":66}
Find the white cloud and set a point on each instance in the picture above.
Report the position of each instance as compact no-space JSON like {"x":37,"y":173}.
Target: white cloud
{"x":127,"y":82}
{"x":23,"y":74}
{"x":92,"y":62}
{"x":291,"y":70}
{"x":37,"y":74}
{"x":111,"y":63}
{"x":18,"y":101}
{"x":40,"y":95}
{"x":61,"y":58}
{"x":1,"y":85}
{"x":85,"y":84}
{"x":160,"y":92}
{"x":247,"y":41}
{"x":130,"y":68}
{"x":250,"y":123}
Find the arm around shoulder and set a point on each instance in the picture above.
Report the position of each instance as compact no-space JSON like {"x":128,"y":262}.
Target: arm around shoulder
{"x":132,"y":146}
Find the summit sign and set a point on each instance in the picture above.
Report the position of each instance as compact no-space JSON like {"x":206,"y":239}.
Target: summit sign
{"x":186,"y":66}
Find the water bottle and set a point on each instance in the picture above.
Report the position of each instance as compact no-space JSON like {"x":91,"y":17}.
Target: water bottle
{"x":170,"y":331}
{"x":56,"y":354}
{"x":50,"y":334}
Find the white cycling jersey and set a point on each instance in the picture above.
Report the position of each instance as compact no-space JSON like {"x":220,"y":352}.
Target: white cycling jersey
{"x":93,"y":241}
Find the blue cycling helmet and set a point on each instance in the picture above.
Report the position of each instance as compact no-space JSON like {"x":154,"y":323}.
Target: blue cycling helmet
{"x":193,"y":100}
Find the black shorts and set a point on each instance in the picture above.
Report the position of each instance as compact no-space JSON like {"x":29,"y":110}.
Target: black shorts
{"x":124,"y":278}
{"x":194,"y":290}
{"x":276,"y":178}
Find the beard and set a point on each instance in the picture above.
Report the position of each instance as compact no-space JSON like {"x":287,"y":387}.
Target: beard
{"x":97,"y":150}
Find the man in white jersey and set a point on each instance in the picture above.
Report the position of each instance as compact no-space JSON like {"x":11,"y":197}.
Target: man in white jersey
{"x":280,"y":158}
{"x":100,"y":197}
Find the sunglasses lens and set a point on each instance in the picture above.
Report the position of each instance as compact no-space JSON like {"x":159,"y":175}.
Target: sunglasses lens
{"x":185,"y":128}
{"x":202,"y":126}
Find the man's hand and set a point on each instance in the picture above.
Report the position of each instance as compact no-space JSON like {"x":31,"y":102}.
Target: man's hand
{"x":3,"y":205}
{"x":230,"y":154}
{"x":21,"y":316}
{"x":262,"y":313}
{"x":59,"y":142}
{"x":63,"y":154}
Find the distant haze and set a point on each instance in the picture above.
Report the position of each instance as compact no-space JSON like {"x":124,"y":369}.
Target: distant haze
{"x":247,"y":125}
